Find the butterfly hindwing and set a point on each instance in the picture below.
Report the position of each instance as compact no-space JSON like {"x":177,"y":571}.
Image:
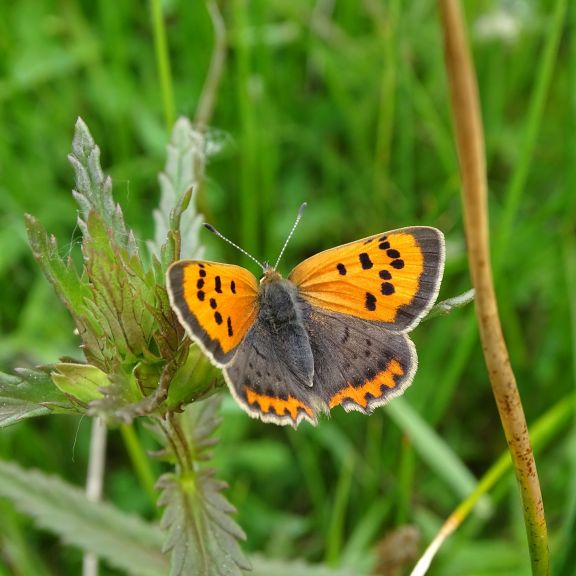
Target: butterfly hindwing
{"x":271,"y":374}
{"x":216,"y":303}
{"x":391,"y":278}
{"x":371,"y":366}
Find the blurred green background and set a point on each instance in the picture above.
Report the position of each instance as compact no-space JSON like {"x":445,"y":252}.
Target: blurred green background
{"x":343,"y":105}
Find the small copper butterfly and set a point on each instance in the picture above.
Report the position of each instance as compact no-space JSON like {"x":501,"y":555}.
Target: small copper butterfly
{"x":334,"y":332}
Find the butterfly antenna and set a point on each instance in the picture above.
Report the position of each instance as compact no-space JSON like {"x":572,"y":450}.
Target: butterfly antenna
{"x":300,"y":212}
{"x":214,"y":231}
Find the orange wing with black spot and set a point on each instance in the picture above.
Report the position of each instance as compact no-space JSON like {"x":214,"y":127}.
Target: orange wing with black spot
{"x":216,"y":303}
{"x":392,"y":278}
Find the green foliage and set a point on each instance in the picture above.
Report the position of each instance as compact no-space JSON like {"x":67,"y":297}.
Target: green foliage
{"x":125,"y":541}
{"x":130,"y":337}
{"x":28,"y":394}
{"x":202,"y":536}
{"x":135,"y":351}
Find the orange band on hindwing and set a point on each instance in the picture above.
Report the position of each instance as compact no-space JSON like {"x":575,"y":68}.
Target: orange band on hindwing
{"x":278,"y":406}
{"x":373,"y":387}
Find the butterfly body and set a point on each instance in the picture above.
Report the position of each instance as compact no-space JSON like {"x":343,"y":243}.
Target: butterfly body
{"x":280,"y":319}
{"x":334,"y":332}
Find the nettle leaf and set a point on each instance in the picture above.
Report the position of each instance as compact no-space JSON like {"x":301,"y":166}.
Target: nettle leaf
{"x":30,"y":393}
{"x":183,"y":173}
{"x":61,"y":273}
{"x":119,"y":539}
{"x":201,"y":534}
{"x":120,"y":293}
{"x":94,"y":189}
{"x":124,"y":541}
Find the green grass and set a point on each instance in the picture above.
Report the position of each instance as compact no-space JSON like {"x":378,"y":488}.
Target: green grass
{"x":347,"y":110}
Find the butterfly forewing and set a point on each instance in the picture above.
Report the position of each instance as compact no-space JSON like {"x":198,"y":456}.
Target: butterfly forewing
{"x":392,"y":278}
{"x":216,"y":303}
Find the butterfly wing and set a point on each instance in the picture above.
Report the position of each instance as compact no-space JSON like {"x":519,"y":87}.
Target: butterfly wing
{"x":392,"y":278}
{"x":216,"y":303}
{"x":357,"y":363}
{"x":271,"y":374}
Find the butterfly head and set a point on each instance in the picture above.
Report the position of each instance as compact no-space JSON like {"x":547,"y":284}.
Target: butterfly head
{"x":269,"y":275}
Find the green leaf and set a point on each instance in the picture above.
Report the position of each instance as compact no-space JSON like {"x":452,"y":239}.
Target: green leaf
{"x":194,"y":379}
{"x":121,"y":293}
{"x":182,"y":176}
{"x":202,"y":535}
{"x":81,"y":381}
{"x":30,"y":393}
{"x":124,"y":541}
{"x":94,"y":189}
{"x":62,"y":275}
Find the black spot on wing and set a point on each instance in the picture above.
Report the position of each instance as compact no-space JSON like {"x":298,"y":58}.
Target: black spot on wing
{"x":387,"y":289}
{"x":370,"y":302}
{"x":218,"y":317}
{"x":341,"y":269}
{"x":218,"y":284}
{"x":365,"y":261}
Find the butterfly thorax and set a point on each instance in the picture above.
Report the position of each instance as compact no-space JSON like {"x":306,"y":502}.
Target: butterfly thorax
{"x":278,"y":300}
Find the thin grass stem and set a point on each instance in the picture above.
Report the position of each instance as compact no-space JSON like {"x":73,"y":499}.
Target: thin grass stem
{"x":163,"y":63}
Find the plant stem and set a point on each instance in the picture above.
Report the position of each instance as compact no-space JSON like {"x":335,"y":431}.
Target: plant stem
{"x":139,"y":460}
{"x":212,"y":82}
{"x":94,"y":482}
{"x":470,"y":144}
{"x":163,"y":63}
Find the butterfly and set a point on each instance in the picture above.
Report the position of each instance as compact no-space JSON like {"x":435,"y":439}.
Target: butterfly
{"x":333,"y":333}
